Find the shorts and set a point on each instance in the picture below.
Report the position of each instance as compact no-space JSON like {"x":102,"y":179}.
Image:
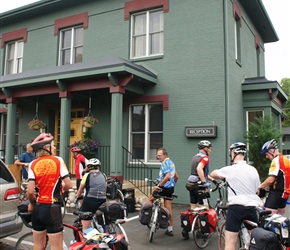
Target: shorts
{"x":237,"y":214}
{"x":195,"y":198}
{"x":91,"y":204}
{"x":275,"y":200}
{"x":47,"y":217}
{"x":167,"y":192}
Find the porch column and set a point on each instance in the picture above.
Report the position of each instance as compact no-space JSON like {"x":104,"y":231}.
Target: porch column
{"x":116,"y":135}
{"x":65,"y":116}
{"x":10,"y":132}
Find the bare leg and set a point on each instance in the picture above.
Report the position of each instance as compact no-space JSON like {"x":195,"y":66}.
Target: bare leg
{"x":39,"y":239}
{"x":86,"y":224}
{"x":231,"y":239}
{"x":56,"y":240}
{"x":168,"y":205}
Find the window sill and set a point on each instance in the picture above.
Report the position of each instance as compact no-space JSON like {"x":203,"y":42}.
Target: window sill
{"x":135,"y":59}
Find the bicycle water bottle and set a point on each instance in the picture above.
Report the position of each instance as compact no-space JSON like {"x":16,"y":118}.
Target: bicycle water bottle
{"x":246,"y":236}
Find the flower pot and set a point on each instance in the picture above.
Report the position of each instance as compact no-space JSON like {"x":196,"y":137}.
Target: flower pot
{"x":88,"y":125}
{"x":36,"y":127}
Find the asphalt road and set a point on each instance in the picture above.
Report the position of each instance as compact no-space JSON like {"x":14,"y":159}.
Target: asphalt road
{"x":138,"y":235}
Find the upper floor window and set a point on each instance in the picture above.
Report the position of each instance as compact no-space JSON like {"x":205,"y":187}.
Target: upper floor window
{"x":147,"y":34}
{"x":14,"y":57}
{"x":146,"y":130}
{"x":71,"y":45}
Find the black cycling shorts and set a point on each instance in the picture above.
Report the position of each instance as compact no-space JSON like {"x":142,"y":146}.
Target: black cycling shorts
{"x":47,"y":217}
{"x":167,"y":192}
{"x":275,"y":200}
{"x":195,"y":198}
{"x":237,"y":214}
{"x":91,"y":204}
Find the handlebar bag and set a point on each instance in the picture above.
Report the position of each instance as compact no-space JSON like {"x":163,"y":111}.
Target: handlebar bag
{"x":163,"y":217}
{"x":145,"y":213}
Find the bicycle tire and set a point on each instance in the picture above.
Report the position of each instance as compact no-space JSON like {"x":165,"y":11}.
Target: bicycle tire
{"x":201,"y":239}
{"x":153,"y":224}
{"x":222,"y":239}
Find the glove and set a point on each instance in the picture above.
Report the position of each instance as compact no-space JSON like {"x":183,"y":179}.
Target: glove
{"x":207,"y":184}
{"x":215,"y":182}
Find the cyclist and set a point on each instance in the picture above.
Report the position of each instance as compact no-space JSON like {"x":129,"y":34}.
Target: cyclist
{"x":243,"y":181}
{"x":167,"y":180}
{"x":80,"y":164}
{"x":95,"y":183}
{"x":277,"y":179}
{"x":46,"y":174}
{"x":24,"y":160}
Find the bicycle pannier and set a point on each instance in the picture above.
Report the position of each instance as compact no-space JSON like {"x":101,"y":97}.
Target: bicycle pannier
{"x":113,"y":184}
{"x":279,"y":225}
{"x":163,"y":218}
{"x":262,"y":239}
{"x":110,"y":211}
{"x":186,"y":219}
{"x":208,"y":220}
{"x":145,"y":213}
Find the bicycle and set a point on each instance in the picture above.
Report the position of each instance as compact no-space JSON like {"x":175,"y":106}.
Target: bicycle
{"x":156,"y":210}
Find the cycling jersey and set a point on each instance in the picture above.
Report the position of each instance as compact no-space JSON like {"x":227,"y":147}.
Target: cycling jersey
{"x":46,"y":171}
{"x":204,"y":159}
{"x":80,"y":164}
{"x":167,"y":166}
{"x":276,"y":170}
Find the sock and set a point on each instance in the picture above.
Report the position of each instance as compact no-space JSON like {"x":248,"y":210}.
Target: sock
{"x":169,"y":228}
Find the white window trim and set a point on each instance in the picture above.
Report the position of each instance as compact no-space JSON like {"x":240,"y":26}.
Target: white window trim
{"x":146,"y":141}
{"x":15,"y":57}
{"x":147,"y":35}
{"x":72,"y":47}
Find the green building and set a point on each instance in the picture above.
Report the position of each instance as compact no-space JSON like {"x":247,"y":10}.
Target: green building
{"x":154,"y":73}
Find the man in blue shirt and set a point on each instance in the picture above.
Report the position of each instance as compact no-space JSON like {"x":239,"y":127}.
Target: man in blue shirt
{"x":24,"y":160}
{"x":167,"y":180}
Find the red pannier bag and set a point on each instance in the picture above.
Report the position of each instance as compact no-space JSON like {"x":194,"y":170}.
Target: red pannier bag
{"x":186,"y":219}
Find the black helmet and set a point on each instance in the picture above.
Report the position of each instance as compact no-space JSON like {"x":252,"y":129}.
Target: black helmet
{"x":204,"y":144}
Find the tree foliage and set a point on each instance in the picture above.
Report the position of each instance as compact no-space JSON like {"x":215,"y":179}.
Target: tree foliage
{"x":285,"y":82}
{"x":260,"y":131}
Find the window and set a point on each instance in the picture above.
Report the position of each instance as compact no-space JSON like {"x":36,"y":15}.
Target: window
{"x":286,"y":138}
{"x":147,"y":34}
{"x":146,"y":130}
{"x":14,"y":57}
{"x":252,"y":115}
{"x":71,"y":45}
{"x":238,"y":40}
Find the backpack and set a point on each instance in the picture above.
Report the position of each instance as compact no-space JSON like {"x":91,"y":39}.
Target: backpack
{"x":113,"y":184}
{"x":262,"y":239}
{"x":186,"y":219}
{"x":284,"y":163}
{"x":145,"y":213}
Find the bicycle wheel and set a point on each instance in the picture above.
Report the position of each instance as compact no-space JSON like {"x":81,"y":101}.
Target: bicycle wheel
{"x":26,"y":242}
{"x":222,"y":238}
{"x":153,"y":224}
{"x":201,"y":239}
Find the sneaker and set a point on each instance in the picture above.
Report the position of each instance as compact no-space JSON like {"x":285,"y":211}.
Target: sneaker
{"x":185,"y":234}
{"x":169,"y":233}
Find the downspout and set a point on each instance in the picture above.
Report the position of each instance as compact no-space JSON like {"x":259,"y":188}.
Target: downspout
{"x":226,"y":73}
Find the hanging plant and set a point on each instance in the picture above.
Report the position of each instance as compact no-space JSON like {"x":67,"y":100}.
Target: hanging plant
{"x":36,"y":124}
{"x":89,"y":121}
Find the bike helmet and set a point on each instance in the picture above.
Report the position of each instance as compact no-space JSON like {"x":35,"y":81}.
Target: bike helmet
{"x":75,"y":149}
{"x":268,"y":145}
{"x":204,"y":144}
{"x":93,"y":163}
{"x":40,"y":141}
{"x":238,"y":148}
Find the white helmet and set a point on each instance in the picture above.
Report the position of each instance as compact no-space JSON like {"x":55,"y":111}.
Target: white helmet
{"x":93,"y":163}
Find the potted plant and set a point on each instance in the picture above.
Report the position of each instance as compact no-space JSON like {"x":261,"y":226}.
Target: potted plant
{"x":89,"y":121}
{"x":36,"y":124}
